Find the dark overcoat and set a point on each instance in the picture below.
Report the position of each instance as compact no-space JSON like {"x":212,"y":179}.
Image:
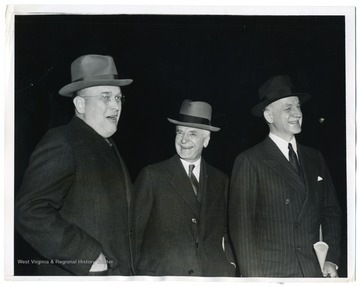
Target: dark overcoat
{"x":75,"y":202}
{"x":275,"y":215}
{"x":175,"y":234}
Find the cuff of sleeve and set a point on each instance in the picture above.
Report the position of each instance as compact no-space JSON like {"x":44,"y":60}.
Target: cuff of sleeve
{"x":333,"y":264}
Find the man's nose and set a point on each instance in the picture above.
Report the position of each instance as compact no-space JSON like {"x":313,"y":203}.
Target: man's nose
{"x":296,"y":112}
{"x":184,"y":138}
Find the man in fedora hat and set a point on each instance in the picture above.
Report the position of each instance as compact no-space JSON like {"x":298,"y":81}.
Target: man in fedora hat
{"x":74,"y":204}
{"x":181,"y":206}
{"x":280,"y":194}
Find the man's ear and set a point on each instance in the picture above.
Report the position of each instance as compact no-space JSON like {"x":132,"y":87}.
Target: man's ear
{"x":79,"y":103}
{"x":268,"y":116}
{"x":206,"y":141}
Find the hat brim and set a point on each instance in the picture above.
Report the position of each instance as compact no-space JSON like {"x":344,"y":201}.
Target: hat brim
{"x":258,"y":109}
{"x":195,"y":125}
{"x":70,"y":88}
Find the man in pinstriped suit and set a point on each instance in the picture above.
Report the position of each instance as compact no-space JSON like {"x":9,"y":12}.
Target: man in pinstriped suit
{"x":275,"y":210}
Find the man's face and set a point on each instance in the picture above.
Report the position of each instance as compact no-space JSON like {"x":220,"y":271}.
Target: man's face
{"x":285,"y":117}
{"x":189,"y":142}
{"x":102,"y":108}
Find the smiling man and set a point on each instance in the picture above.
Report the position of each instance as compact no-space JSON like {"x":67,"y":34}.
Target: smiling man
{"x":181,"y":206}
{"x":74,"y":204}
{"x":280,"y":194}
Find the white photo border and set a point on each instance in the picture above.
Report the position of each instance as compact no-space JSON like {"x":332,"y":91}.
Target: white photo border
{"x":351,"y":122}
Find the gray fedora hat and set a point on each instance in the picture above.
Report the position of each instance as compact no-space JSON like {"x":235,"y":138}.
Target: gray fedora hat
{"x":92,"y":70}
{"x":195,"y":114}
{"x":275,"y":88}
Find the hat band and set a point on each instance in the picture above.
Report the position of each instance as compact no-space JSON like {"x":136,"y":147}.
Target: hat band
{"x":102,"y":76}
{"x":193,"y":119}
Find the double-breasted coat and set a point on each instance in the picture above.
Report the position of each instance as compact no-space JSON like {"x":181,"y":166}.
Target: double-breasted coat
{"x":275,"y":215}
{"x":75,"y":202}
{"x":176,"y":234}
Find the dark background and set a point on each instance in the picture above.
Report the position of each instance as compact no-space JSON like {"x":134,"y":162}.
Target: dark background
{"x":219,"y":59}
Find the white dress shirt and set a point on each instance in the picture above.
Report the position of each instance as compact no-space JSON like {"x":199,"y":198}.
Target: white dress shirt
{"x":283,"y":145}
{"x":196,"y":170}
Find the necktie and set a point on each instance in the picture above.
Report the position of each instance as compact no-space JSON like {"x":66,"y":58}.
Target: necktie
{"x":193,"y":180}
{"x":293,"y":159}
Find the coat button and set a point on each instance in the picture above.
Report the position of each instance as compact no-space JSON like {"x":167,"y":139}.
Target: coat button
{"x":287,"y":201}
{"x":191,"y":272}
{"x":193,"y":220}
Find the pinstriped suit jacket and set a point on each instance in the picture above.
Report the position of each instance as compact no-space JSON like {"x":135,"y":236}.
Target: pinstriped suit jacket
{"x":275,"y":215}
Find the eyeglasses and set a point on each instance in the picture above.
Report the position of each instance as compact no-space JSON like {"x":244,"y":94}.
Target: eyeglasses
{"x":106,"y":98}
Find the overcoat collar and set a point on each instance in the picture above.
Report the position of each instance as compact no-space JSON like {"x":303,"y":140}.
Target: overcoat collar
{"x":109,"y":154}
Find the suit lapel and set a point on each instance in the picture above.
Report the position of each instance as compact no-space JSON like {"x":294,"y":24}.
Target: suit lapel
{"x":308,"y":172}
{"x":277,"y":161}
{"x":181,"y":183}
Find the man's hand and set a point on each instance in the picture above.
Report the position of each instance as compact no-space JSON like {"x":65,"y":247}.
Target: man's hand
{"x":330,"y":270}
{"x":99,"y":264}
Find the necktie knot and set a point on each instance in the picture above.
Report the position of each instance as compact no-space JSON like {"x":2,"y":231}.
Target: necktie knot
{"x":291,"y":147}
{"x":191,"y":168}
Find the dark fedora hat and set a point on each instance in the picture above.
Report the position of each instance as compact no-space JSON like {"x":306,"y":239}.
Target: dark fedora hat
{"x":275,"y":88}
{"x":195,"y":114}
{"x":92,"y":70}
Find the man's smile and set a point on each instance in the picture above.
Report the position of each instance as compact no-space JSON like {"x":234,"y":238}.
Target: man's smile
{"x":112,"y":118}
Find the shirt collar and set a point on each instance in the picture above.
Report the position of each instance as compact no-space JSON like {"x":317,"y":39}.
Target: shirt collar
{"x":196,"y":169}
{"x":283,"y":144}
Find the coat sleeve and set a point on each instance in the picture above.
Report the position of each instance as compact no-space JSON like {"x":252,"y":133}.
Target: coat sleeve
{"x":46,"y":183}
{"x":143,"y":204}
{"x":242,"y":215}
{"x":330,"y":216}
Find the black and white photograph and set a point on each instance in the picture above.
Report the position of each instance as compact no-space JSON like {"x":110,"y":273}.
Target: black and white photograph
{"x":201,"y":143}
